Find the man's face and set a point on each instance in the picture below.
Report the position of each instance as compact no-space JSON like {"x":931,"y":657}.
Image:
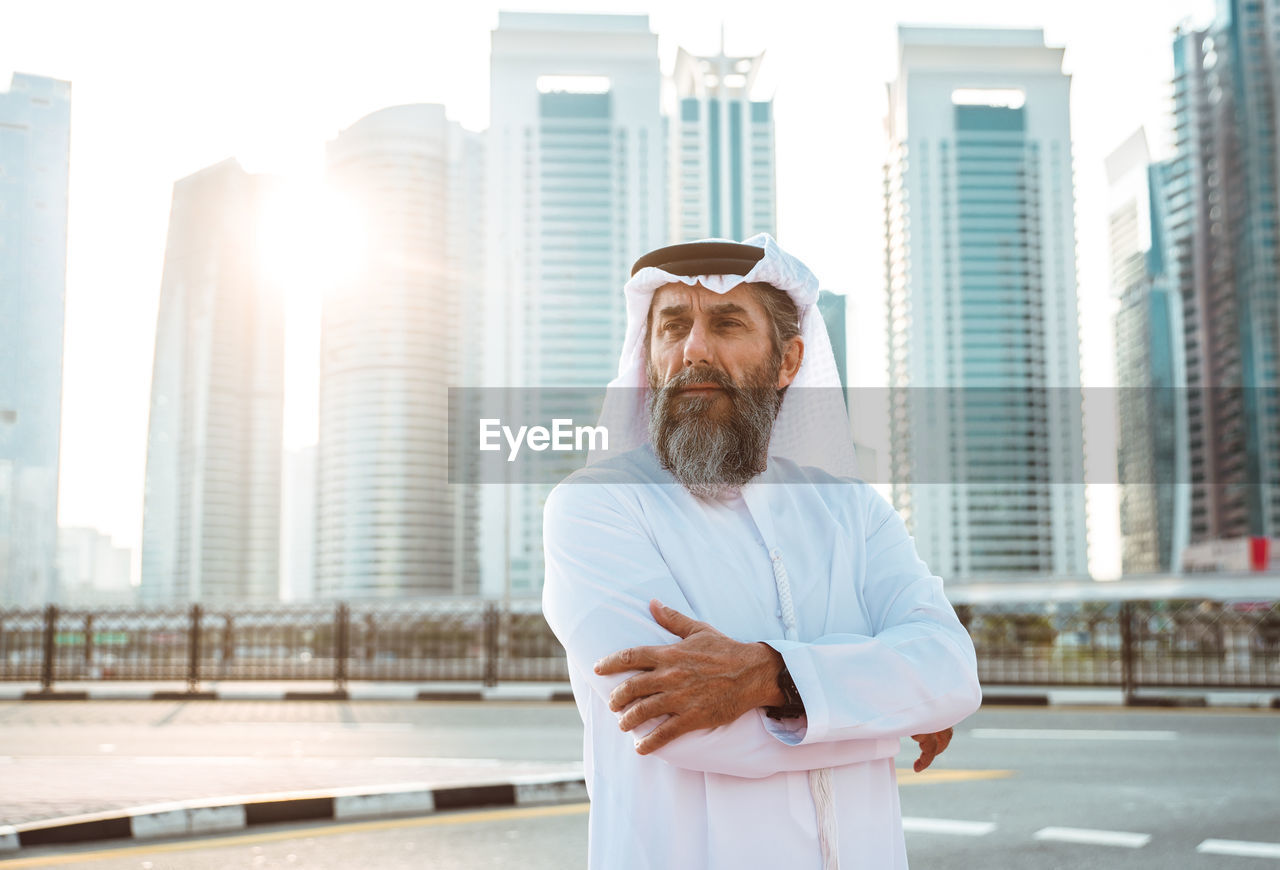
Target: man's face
{"x":695,"y":328}
{"x":714,"y":376}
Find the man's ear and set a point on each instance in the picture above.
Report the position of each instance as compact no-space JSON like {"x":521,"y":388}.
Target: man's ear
{"x":791,"y":359}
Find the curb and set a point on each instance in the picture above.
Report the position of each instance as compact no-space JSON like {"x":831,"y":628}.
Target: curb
{"x":1245,"y":701}
{"x":996,"y":696}
{"x":547,"y":696}
{"x":221,"y":815}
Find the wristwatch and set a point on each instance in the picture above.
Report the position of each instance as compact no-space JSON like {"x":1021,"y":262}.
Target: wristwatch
{"x":792,"y":704}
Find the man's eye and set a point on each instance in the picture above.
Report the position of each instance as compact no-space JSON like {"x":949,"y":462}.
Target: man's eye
{"x":672,"y":327}
{"x":730,"y":322}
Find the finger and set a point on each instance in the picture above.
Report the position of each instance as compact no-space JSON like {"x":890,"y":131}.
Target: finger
{"x":640,"y":686}
{"x":673,"y":620}
{"x":636,"y":658}
{"x":928,"y":751}
{"x":643,"y":710}
{"x":944,"y":740}
{"x":669,"y":730}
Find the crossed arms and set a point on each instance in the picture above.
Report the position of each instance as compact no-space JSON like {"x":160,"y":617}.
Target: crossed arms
{"x":694,"y":697}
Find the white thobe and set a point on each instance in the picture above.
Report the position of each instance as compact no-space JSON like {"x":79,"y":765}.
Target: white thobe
{"x":880,"y":655}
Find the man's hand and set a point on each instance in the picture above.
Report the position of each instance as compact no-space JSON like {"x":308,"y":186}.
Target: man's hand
{"x":931,"y":746}
{"x":705,"y":680}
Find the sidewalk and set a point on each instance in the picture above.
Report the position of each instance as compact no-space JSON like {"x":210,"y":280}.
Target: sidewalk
{"x":134,"y":767}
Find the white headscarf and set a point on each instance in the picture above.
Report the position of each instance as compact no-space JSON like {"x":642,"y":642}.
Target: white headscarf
{"x":812,"y":427}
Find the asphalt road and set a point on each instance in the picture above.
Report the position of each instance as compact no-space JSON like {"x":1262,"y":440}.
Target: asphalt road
{"x":1024,"y":788}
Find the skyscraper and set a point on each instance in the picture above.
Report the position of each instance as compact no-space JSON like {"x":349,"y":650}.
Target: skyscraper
{"x":576,"y":193}
{"x":832,"y":307}
{"x":298,"y":524}
{"x":983,"y":339}
{"x":1223,"y":200}
{"x":388,"y":524}
{"x":211,"y":516}
{"x":1150,"y":368}
{"x":721,"y":158}
{"x":35,"y":139}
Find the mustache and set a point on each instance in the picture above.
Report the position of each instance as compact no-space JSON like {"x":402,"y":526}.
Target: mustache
{"x":700,"y":375}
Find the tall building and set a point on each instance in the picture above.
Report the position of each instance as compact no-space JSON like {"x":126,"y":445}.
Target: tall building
{"x":211,"y":515}
{"x":1226,"y":238}
{"x":721,"y":158}
{"x":35,"y":141}
{"x":1150,"y":368}
{"x":576,"y":183}
{"x":298,"y":525}
{"x":832,"y":307}
{"x":394,"y":339}
{"x":93,"y":572}
{"x":983,"y":339}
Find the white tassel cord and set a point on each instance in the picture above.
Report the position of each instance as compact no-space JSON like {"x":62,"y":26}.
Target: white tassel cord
{"x":824,"y":800}
{"x":819,"y":780}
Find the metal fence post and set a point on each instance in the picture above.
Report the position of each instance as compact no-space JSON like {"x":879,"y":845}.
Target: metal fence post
{"x":340,"y":619}
{"x":490,"y":644}
{"x":193,"y":650}
{"x":1126,"y":651}
{"x":228,"y":645}
{"x":46,"y":666}
{"x":88,"y":646}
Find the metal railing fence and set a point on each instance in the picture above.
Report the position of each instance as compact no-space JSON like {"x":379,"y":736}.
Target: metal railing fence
{"x":1193,"y":643}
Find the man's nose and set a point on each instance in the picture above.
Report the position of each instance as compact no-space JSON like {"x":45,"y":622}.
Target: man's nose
{"x":697,"y":350}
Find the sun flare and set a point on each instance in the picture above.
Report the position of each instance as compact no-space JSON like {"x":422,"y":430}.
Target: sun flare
{"x":309,"y":238}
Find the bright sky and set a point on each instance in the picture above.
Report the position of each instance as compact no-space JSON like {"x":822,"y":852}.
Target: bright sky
{"x":163,"y":89}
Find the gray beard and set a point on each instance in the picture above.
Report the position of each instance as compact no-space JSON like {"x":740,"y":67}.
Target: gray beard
{"x":710,"y":456}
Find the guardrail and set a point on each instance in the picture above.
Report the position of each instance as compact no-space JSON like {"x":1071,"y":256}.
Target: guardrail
{"x":1193,"y":643}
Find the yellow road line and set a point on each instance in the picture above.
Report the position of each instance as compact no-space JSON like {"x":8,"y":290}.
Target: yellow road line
{"x":295,"y":833}
{"x":907,"y":776}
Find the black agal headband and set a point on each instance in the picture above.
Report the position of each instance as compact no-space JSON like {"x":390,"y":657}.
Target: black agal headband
{"x":702,"y":258}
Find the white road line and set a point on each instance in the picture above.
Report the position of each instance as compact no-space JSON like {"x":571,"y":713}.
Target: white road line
{"x":1242,"y":848}
{"x":1097,"y":838}
{"x":1068,"y":734}
{"x":430,"y":761}
{"x":947,"y":826}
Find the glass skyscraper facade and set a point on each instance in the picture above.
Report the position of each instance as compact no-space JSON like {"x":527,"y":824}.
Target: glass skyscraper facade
{"x":985,"y":419}
{"x":721,"y":158}
{"x":35,"y":137}
{"x":211,"y":512}
{"x":576,"y":181}
{"x":395,"y":336}
{"x":1225,"y":236}
{"x":1152,"y":457}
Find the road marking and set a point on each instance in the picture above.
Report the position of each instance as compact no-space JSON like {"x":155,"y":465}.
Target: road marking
{"x":439,"y":761}
{"x":1242,"y":848}
{"x":907,"y":776}
{"x":947,"y":826}
{"x":466,"y":818}
{"x":1098,"y":838}
{"x":1068,"y":734}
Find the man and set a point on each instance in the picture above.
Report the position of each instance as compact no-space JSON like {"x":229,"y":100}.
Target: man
{"x":748,"y":635}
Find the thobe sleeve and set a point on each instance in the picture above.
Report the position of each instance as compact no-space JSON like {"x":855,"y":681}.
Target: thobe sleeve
{"x":917,"y":673}
{"x":602,"y":569}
